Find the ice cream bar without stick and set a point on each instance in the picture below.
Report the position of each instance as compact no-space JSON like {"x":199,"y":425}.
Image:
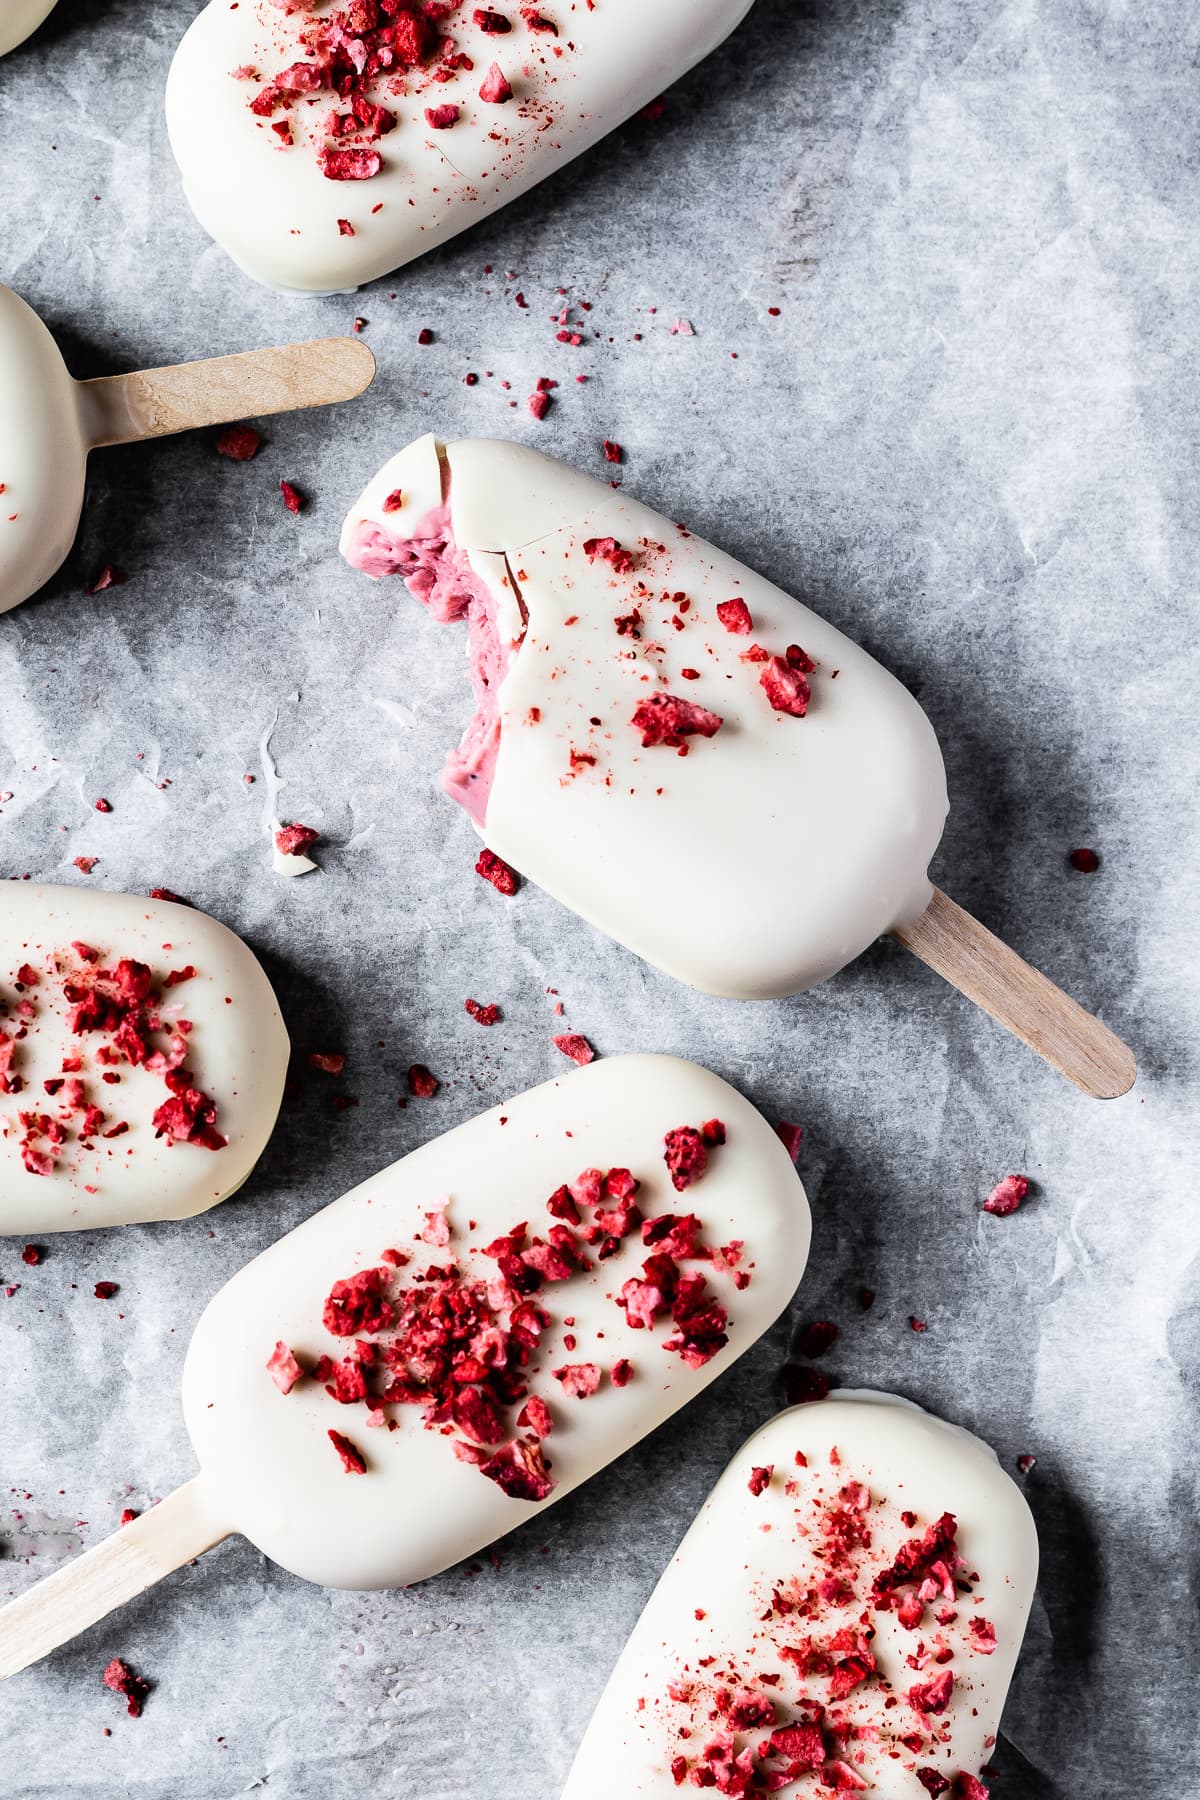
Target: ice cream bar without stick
{"x":682,"y":753}
{"x":19,"y":19}
{"x":49,"y":423}
{"x":142,"y":1060}
{"x":324,"y":145}
{"x":843,"y":1617}
{"x":465,"y":1338}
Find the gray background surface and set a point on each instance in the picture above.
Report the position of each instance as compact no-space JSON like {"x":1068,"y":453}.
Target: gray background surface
{"x":969,"y":438}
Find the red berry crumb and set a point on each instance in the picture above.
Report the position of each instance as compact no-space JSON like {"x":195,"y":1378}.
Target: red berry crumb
{"x":353,"y":1460}
{"x":1006,"y":1196}
{"x":482,"y":1015}
{"x":120,"y":1678}
{"x":31,"y":1255}
{"x":422,"y":1082}
{"x":1086,"y":861}
{"x":238,"y":442}
{"x":104,"y":1290}
{"x":293,"y":499}
{"x":295,"y":840}
{"x":760,"y":1479}
{"x":576,"y":1047}
{"x":817,"y":1338}
{"x":494,"y":869}
{"x":666,"y":719}
{"x":283,"y":1367}
{"x":735,"y":617}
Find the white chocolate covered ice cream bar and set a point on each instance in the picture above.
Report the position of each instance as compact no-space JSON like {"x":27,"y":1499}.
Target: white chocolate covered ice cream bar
{"x":844,"y":1617}
{"x":466,"y":1337}
{"x":19,"y":19}
{"x":324,"y":145}
{"x":142,"y":1060}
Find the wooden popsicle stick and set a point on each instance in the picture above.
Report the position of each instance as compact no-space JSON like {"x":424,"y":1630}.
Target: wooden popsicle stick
{"x":974,"y":961}
{"x":96,"y":1583}
{"x":121,"y":409}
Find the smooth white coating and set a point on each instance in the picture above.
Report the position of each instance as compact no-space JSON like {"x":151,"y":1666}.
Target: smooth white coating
{"x":42,"y":452}
{"x":237,"y":1053}
{"x":18,"y":19}
{"x":267,"y":1464}
{"x":741,"y":1546}
{"x":771,"y":855}
{"x":275,"y":212}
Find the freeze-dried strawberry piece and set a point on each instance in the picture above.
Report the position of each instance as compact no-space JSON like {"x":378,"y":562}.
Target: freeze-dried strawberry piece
{"x":441,"y":118}
{"x":31,"y":1255}
{"x":120,"y":1678}
{"x":916,"y":1558}
{"x":791,"y":1137}
{"x":932,"y":1696}
{"x":760,"y":1479}
{"x":535,"y":1416}
{"x":817,"y":1338}
{"x":353,"y":1460}
{"x":358,"y":1304}
{"x":495,"y":88}
{"x":344,"y":1381}
{"x":482,"y":1015}
{"x":293,"y":499}
{"x":539,"y":404}
{"x":296,"y":840}
{"x":284,"y":1370}
{"x":494,"y":869}
{"x":785,"y":687}
{"x":579,"y":1380}
{"x":477,"y":1416}
{"x":238,"y":442}
{"x":672,"y":1234}
{"x":802,"y":1745}
{"x":491,"y":21}
{"x":700,"y":1322}
{"x":1085,"y":861}
{"x":932,"y":1781}
{"x":345,"y":228}
{"x":109,"y":576}
{"x":85,"y":864}
{"x":801,"y":1385}
{"x":330,"y":1062}
{"x":735,"y":617}
{"x":613,"y":453}
{"x":349,"y":165}
{"x":105,"y":1290}
{"x":395,"y":500}
{"x":1006,"y":1196}
{"x":607,"y":549}
{"x":983,"y":1636}
{"x":797,"y":658}
{"x":572,"y":1044}
{"x":103,"y":806}
{"x":537,"y":21}
{"x":422,"y":1083}
{"x":188,"y":1117}
{"x":969,"y":1787}
{"x":520,"y":1470}
{"x":621,"y":1373}
{"x":666,"y":719}
{"x":686,"y":1156}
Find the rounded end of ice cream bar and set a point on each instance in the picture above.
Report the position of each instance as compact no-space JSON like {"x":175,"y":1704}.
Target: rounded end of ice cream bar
{"x":42,"y":453}
{"x":19,"y":19}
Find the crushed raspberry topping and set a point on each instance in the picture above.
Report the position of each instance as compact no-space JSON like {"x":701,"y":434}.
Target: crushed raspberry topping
{"x":687,"y":1148}
{"x":120,"y":1679}
{"x":492,"y":868}
{"x":122,"y":1006}
{"x":607,"y":549}
{"x":735,"y":617}
{"x":464,"y":1344}
{"x":576,"y":1047}
{"x":785,"y":686}
{"x":808,"y":1694}
{"x":296,"y":840}
{"x":422,"y":1083}
{"x":666,"y":719}
{"x":482,"y":1015}
{"x":495,"y":88}
{"x":1006,"y":1196}
{"x":238,"y":442}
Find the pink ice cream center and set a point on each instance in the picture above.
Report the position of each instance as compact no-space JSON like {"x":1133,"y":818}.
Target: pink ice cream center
{"x":437,"y":573}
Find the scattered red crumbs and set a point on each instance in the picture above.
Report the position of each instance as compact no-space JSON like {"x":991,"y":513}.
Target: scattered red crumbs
{"x":329,"y":1062}
{"x":482,"y":1015}
{"x":283,"y":1368}
{"x":790,"y":1136}
{"x":104,"y":1290}
{"x":818,"y":1337}
{"x":760,"y":1481}
{"x":785,"y":687}
{"x":494,"y":869}
{"x":109,"y":576}
{"x":1006,"y":1196}
{"x":120,"y":1678}
{"x":238,"y":442}
{"x":666,"y":719}
{"x":613,"y":453}
{"x":421,"y":1082}
{"x":103,"y":806}
{"x":576,"y":1047}
{"x":1086,"y":861}
{"x":31,"y":1255}
{"x":735,"y":617}
{"x":353,"y":1460}
{"x":295,"y":840}
{"x":293,"y":499}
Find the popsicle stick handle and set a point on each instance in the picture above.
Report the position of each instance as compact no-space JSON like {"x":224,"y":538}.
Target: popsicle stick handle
{"x":120,"y":409}
{"x":96,"y":1583}
{"x":974,"y":961}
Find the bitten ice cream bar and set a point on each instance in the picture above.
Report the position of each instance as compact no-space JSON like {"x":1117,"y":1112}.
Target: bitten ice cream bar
{"x":466,"y":1337}
{"x":681,"y":752}
{"x":142,"y":1060}
{"x":324,"y":145}
{"x":844,"y":1617}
